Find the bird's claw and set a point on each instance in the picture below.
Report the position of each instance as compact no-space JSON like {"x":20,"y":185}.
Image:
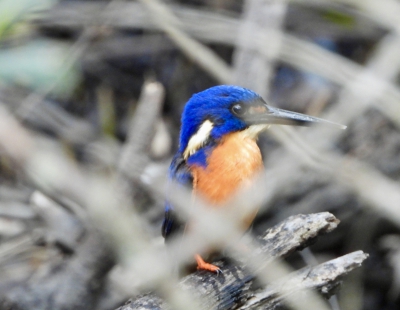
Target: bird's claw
{"x":202,"y":265}
{"x":210,"y":267}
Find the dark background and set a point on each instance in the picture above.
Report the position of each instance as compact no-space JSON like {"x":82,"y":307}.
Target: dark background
{"x":72,"y":72}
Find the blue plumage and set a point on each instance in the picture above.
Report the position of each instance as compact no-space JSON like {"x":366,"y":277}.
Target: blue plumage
{"x":214,"y":104}
{"x":179,"y":172}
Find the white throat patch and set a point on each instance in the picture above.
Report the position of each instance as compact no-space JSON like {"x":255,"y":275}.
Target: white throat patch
{"x":198,"y":139}
{"x":253,"y":131}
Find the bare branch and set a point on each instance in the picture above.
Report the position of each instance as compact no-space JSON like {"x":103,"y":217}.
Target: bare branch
{"x":325,"y":278}
{"x":72,"y":285}
{"x":201,"y":54}
{"x":134,"y":154}
{"x":234,"y":287}
{"x":223,"y":29}
{"x":252,"y":68}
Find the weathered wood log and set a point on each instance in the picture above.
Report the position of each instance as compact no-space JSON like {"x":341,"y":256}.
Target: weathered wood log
{"x":233,"y":288}
{"x":325,"y":278}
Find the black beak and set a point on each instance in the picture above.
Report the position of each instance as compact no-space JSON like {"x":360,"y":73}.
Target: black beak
{"x":265,"y":114}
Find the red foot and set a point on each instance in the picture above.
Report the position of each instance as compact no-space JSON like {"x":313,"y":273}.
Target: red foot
{"x":202,"y":265}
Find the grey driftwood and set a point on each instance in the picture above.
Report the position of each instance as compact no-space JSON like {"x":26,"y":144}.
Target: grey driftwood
{"x":235,"y":287}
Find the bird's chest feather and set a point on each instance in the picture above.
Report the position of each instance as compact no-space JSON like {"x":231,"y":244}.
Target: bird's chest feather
{"x":232,"y":164}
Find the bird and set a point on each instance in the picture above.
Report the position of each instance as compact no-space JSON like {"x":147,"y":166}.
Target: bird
{"x":218,"y":149}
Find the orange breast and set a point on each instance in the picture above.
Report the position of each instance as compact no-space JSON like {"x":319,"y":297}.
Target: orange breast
{"x":233,"y":163}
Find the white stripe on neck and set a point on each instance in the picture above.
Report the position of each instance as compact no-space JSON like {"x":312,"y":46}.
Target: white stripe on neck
{"x":198,"y":139}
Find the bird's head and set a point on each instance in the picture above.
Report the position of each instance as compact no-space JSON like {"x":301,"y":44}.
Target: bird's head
{"x":211,"y":114}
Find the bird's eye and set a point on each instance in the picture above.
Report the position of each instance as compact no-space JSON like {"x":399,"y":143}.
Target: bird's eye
{"x":238,"y":109}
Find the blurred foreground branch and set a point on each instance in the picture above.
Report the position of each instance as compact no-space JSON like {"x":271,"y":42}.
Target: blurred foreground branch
{"x":73,"y":284}
{"x":218,"y":28}
{"x":252,"y":68}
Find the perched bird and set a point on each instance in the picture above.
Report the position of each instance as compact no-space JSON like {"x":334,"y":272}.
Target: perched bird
{"x":218,"y":150}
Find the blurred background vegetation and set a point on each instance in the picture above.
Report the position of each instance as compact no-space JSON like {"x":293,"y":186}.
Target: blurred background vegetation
{"x":72,"y":73}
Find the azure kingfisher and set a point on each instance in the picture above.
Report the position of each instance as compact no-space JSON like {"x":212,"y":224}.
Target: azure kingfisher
{"x":217,"y":149}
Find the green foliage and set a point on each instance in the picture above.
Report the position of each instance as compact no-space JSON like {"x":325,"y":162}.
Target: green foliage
{"x":339,"y":18}
{"x":15,"y":15}
{"x":37,"y":64}
{"x":40,"y":65}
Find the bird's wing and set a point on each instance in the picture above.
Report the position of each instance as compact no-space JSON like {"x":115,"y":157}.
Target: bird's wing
{"x":178,"y":172}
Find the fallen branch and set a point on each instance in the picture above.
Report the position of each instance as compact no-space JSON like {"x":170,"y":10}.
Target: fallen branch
{"x":325,"y":278}
{"x":233,"y":288}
